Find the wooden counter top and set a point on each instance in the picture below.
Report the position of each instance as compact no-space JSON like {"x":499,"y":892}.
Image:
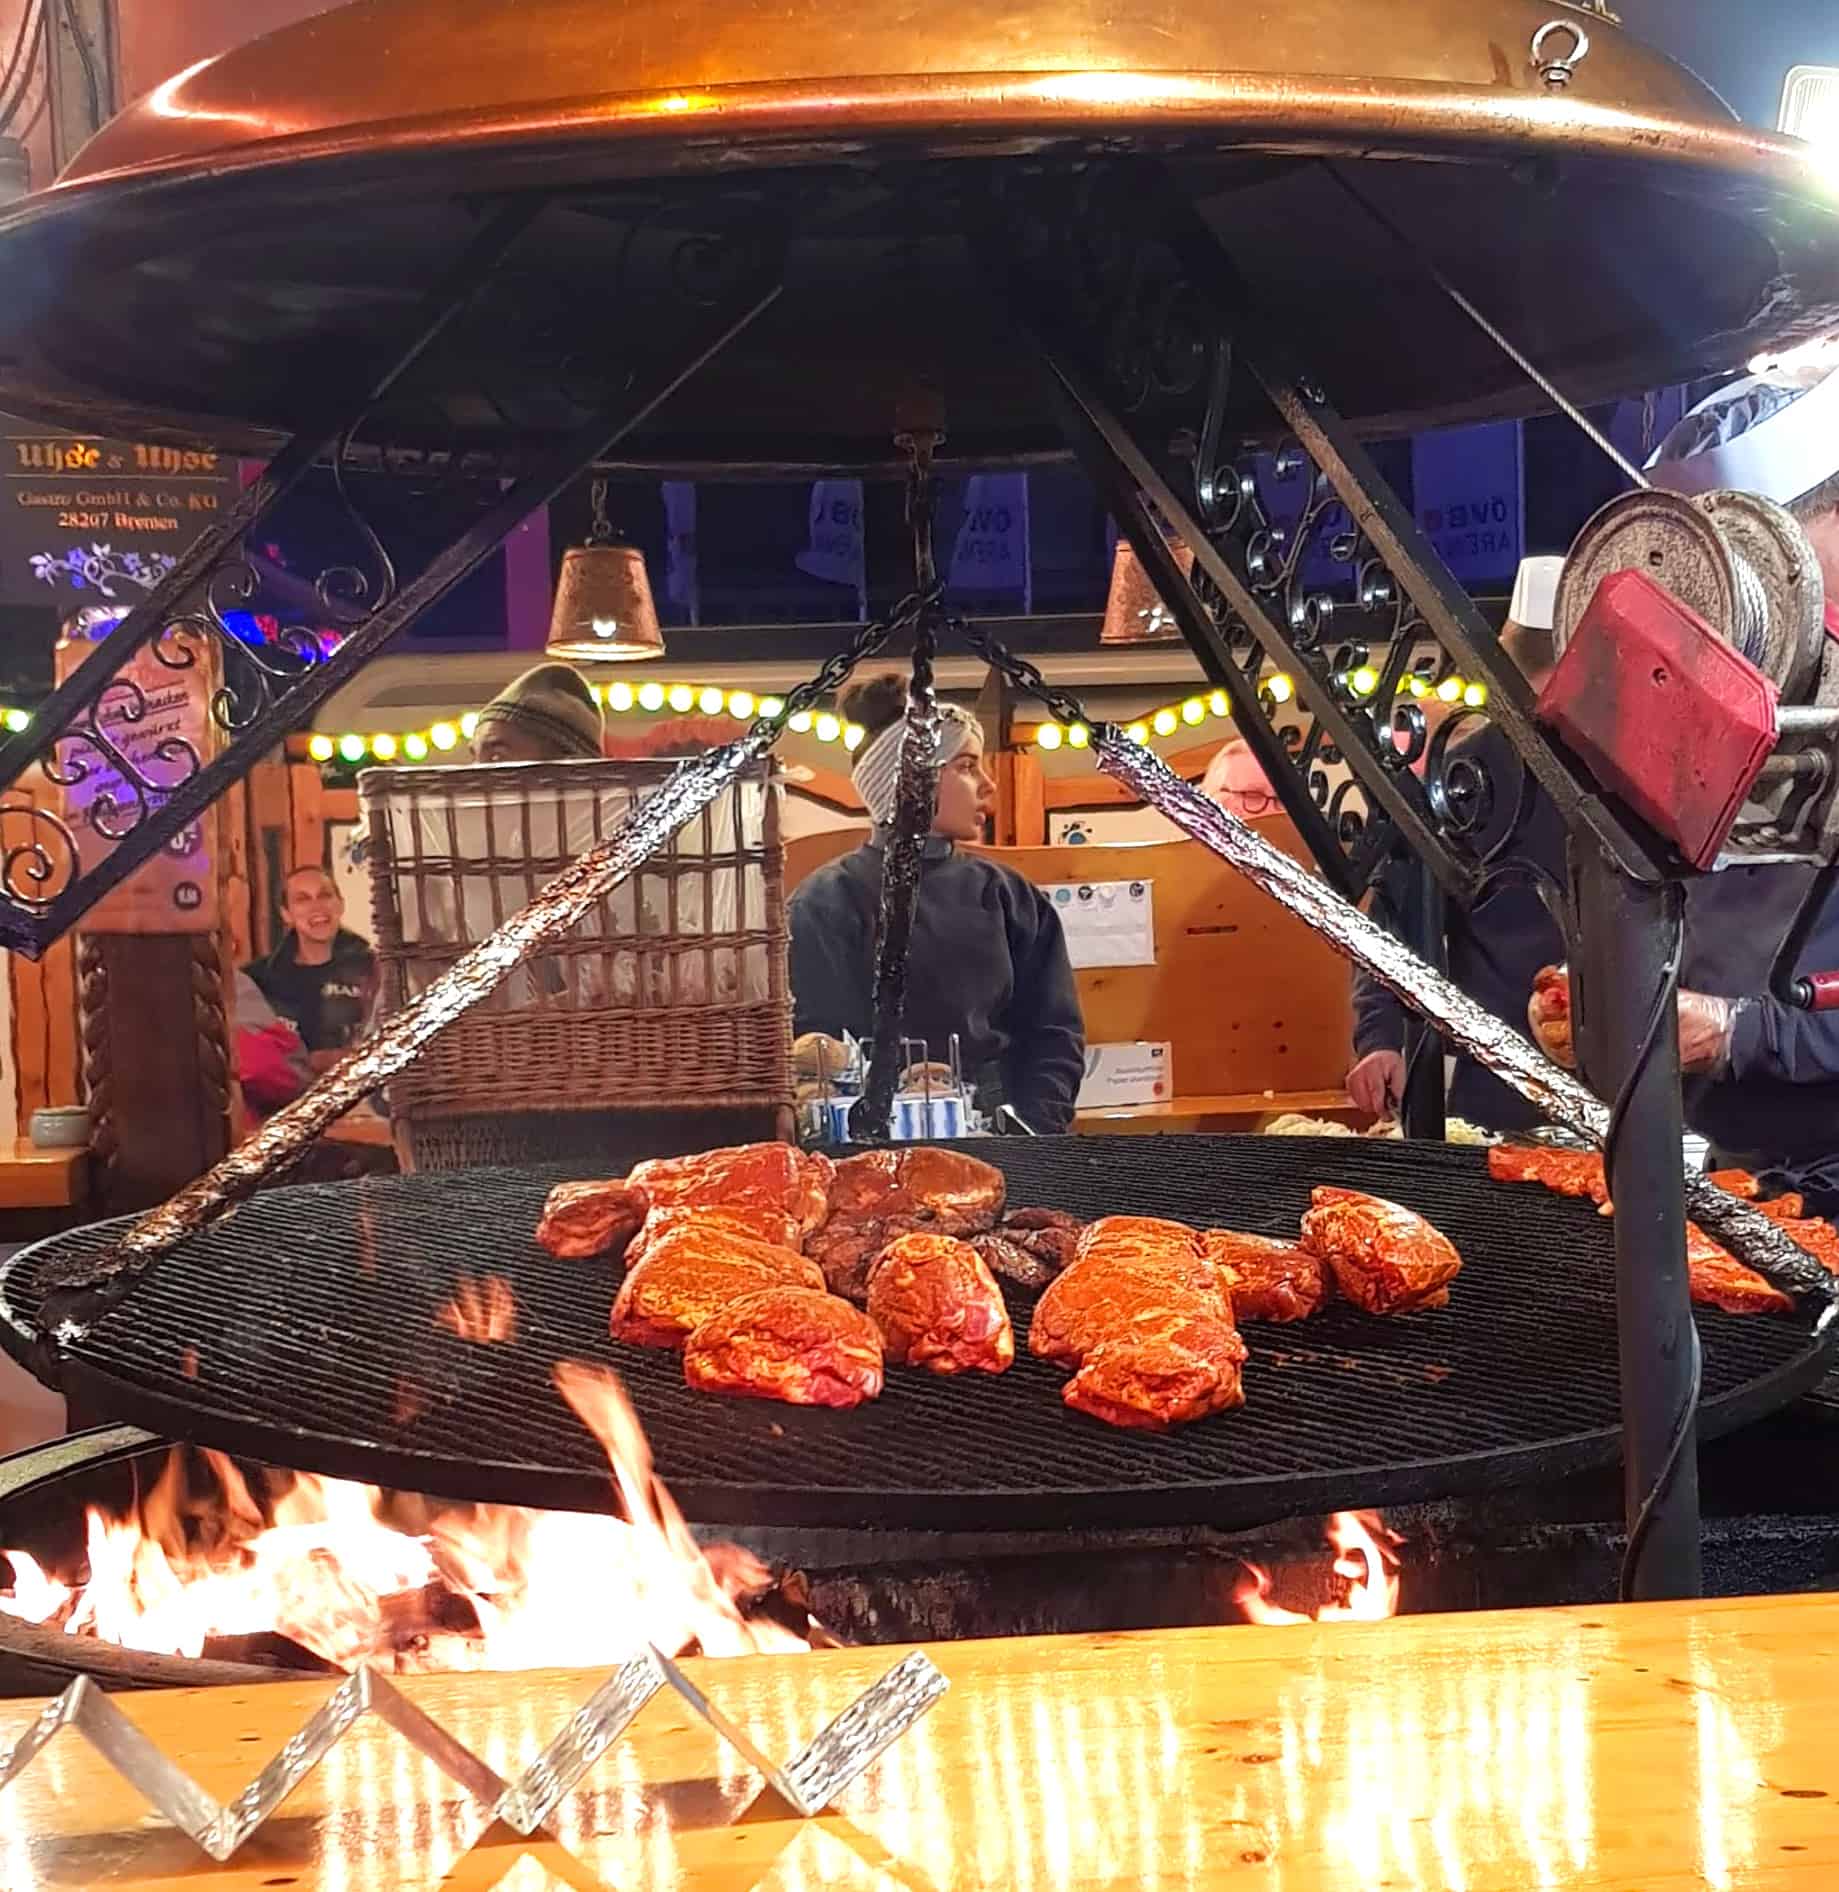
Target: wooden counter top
{"x":1625,"y":1750}
{"x":1234,"y":1113}
{"x":31,"y":1178}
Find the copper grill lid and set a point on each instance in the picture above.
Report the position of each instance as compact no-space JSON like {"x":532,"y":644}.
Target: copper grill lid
{"x":217,"y":258}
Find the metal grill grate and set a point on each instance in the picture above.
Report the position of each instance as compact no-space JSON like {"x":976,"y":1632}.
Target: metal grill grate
{"x":303,"y":1330}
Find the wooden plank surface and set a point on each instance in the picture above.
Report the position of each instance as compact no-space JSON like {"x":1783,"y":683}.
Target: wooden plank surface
{"x":1644,"y":1749}
{"x":42,"y":1179}
{"x":1219,"y":1114}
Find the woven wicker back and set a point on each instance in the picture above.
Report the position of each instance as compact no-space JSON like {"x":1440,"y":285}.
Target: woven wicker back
{"x":672,"y":993}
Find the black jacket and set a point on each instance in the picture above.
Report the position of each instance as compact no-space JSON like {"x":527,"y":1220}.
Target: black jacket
{"x":1777,"y":1107}
{"x":988,"y":962}
{"x":1494,"y":950}
{"x":328,"y":1004}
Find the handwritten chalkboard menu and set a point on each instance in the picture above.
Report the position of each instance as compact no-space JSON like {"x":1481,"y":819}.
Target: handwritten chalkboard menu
{"x":89,"y":521}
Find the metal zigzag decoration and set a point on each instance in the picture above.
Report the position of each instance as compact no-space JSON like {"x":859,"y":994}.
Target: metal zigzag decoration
{"x":807,"y":1783}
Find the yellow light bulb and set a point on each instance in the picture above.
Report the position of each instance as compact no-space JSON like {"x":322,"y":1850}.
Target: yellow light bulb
{"x":415,"y":747}
{"x":681,"y":697}
{"x":469,"y":724}
{"x":1449,"y":689}
{"x":351,"y":748}
{"x":772,"y":706}
{"x":1078,"y":736}
{"x":1164,"y":722}
{"x":1220,"y":703}
{"x":711,"y":702}
{"x":383,"y":746}
{"x":1419,"y":687}
{"x":1475,"y":695}
{"x":597,"y":693}
{"x":741,"y":705}
{"x":1138,"y":732}
{"x":620,"y":697}
{"x":444,"y":736}
{"x":853,"y":736}
{"x":828,"y":728}
{"x":1280,"y":688}
{"x":651,"y":696}
{"x":320,"y":748}
{"x":1049,"y":736}
{"x":1193,"y":711}
{"x":1365,"y":680}
{"x":801,"y":723}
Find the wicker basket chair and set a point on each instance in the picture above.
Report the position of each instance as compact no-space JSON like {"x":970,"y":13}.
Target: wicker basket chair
{"x":662,"y":1020}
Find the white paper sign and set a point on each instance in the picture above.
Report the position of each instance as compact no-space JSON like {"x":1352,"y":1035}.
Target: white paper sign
{"x":1107,"y":922}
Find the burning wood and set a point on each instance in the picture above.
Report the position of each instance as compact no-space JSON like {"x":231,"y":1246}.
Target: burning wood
{"x":353,"y":1574}
{"x":485,"y":1310}
{"x":1365,"y":1571}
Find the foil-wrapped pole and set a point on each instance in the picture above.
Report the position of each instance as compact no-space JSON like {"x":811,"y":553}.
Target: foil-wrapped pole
{"x":1559,"y":1095}
{"x":564,"y":903}
{"x":915,"y":800}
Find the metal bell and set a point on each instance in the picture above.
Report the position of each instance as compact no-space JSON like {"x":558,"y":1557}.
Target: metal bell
{"x":603,"y":607}
{"x":1135,"y":612}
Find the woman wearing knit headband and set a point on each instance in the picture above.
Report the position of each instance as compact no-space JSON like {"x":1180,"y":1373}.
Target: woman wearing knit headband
{"x":989,"y":959}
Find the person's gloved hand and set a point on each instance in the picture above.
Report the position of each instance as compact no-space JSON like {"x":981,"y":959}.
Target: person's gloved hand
{"x":1548,"y":1015}
{"x":1705,"y":1023}
{"x":1705,"y":1026}
{"x":1377,"y":1083}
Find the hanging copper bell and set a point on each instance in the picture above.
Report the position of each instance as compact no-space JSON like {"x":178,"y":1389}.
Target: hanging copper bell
{"x":258,"y":228}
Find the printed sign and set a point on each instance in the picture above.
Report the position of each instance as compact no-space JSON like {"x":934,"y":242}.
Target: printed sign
{"x":835,"y":552}
{"x":146,"y":714}
{"x":85,"y":520}
{"x":1470,"y":498}
{"x":1107,"y":922}
{"x":991,"y":552}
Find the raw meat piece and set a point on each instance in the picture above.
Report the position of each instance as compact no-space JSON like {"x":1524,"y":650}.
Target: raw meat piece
{"x":691,"y":1274}
{"x":1788,"y":1208}
{"x":1042,"y":1219}
{"x":752,"y":1224}
{"x":1565,"y":1172}
{"x":1819,"y":1238}
{"x":1168,"y":1372}
{"x":938,"y":1307}
{"x":1386,"y":1259}
{"x":1736,"y":1182}
{"x":954,"y":1193}
{"x":1004,"y":1256}
{"x":1265,"y":1278}
{"x":1140,"y":1235}
{"x":581,"y":1219}
{"x":1719,"y":1279}
{"x":1100,"y":1299}
{"x":748,"y":1175}
{"x":793,"y":1344}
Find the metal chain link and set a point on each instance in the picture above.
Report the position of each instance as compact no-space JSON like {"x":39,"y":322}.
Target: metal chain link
{"x":1026,"y":678}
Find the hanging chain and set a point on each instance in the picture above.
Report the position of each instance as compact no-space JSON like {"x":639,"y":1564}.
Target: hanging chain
{"x":1021,"y":673}
{"x":601,"y":531}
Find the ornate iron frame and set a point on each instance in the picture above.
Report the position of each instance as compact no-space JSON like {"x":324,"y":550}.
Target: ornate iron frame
{"x":1141,"y":321}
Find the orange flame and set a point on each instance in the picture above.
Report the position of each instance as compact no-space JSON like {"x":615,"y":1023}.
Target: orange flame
{"x":354,"y":1574}
{"x":480,"y":1310}
{"x":1365,"y":1566}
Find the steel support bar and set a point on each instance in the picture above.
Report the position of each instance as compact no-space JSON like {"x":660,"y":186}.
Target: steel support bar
{"x":30,"y":928}
{"x":1096,"y":444}
{"x":1625,"y":978}
{"x":1382,"y":518}
{"x":549,"y":473}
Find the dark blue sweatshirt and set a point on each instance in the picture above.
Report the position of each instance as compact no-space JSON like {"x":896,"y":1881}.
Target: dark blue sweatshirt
{"x":988,"y":962}
{"x":1494,"y":951}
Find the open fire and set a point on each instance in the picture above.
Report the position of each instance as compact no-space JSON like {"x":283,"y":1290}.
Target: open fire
{"x":1365,"y":1572}
{"x":353,"y":1574}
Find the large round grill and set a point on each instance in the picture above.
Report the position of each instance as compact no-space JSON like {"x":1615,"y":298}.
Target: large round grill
{"x":303,"y":1330}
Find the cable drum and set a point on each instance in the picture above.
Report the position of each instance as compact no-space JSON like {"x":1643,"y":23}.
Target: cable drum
{"x":1741,"y":562}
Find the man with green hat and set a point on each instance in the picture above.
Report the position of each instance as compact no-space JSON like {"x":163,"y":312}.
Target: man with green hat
{"x":546,"y":715}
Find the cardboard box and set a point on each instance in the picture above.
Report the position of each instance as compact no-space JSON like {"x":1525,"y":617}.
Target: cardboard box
{"x":1117,"y":1075}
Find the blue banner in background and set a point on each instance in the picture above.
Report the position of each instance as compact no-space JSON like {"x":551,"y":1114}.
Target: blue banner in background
{"x":835,"y":552}
{"x":680,"y":574}
{"x":1469,"y":492}
{"x":991,"y":553}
